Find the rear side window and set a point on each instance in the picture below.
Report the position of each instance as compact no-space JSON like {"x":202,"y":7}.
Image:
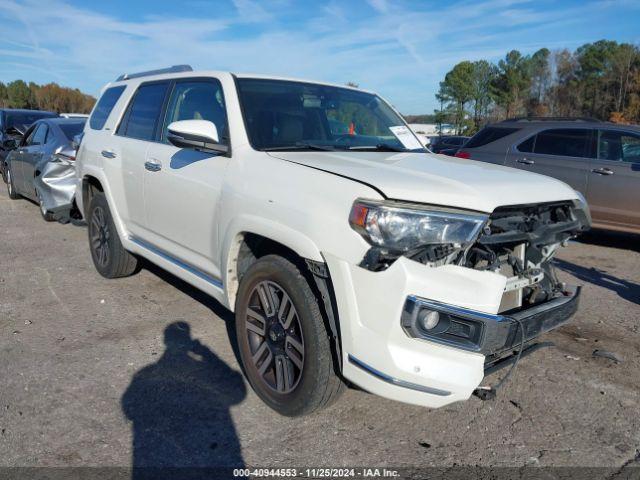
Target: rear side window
{"x":143,"y":114}
{"x":566,"y":142}
{"x":616,"y":145}
{"x":103,"y":108}
{"x":488,"y":135}
{"x":70,"y":130}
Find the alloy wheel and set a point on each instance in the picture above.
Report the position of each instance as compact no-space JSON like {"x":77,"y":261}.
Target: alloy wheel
{"x":274,"y":333}
{"x":9,"y":184}
{"x":99,"y":234}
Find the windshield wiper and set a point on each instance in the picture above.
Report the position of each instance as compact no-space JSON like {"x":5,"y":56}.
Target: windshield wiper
{"x":381,"y":147}
{"x":300,"y":146}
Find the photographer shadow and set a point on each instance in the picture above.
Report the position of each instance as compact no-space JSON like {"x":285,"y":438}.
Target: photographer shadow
{"x":179,"y":409}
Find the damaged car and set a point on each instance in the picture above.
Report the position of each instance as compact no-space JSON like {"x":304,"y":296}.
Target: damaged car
{"x":42,"y":168}
{"x":13,"y":125}
{"x":347,"y":251}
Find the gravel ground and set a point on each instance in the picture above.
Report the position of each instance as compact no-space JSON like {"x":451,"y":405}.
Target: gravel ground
{"x":90,"y":375}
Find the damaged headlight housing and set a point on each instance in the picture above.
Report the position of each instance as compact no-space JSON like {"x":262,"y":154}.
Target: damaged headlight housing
{"x":401,"y":227}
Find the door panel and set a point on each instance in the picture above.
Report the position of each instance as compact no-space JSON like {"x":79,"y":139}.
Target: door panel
{"x":135,"y":134}
{"x":613,"y":190}
{"x":36,"y":145}
{"x":182,"y":187}
{"x":124,"y":159}
{"x":182,"y":190}
{"x":558,"y":153}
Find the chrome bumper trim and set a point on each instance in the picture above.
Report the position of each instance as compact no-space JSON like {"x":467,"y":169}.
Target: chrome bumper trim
{"x":394,"y":381}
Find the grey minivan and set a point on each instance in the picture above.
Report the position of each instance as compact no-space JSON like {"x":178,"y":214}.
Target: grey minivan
{"x":599,"y":159}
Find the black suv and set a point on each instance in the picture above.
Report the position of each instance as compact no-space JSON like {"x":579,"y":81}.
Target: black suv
{"x":13,"y":124}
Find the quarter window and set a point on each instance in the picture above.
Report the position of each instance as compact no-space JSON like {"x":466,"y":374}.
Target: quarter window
{"x":143,"y":113}
{"x":622,"y":146}
{"x":40,"y":135}
{"x":197,"y":100}
{"x":103,"y":108}
{"x":566,"y":142}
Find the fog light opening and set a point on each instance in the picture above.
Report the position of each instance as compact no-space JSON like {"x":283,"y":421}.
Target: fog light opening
{"x":428,"y":319}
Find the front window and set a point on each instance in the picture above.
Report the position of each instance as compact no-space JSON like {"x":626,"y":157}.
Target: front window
{"x":285,"y":115}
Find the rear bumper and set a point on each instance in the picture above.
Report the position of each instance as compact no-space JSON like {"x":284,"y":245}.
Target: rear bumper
{"x":381,"y":357}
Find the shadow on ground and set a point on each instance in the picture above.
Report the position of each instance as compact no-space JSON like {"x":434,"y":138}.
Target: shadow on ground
{"x":180,"y":405}
{"x":626,"y":289}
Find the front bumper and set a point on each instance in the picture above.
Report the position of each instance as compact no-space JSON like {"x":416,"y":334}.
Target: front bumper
{"x":379,"y":355}
{"x":494,"y":333}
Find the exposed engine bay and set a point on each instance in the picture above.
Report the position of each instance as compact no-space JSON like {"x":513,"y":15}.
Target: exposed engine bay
{"x":517,"y":242}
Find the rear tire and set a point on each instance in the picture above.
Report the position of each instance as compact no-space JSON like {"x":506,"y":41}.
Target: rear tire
{"x":286,"y":356}
{"x":108,"y":255}
{"x":11,"y":189}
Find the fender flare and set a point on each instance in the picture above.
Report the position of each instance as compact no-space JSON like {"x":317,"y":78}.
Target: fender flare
{"x":278,"y":232}
{"x":99,"y":175}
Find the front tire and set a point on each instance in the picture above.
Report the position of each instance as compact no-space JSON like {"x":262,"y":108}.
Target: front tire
{"x":284,"y":345}
{"x":11,"y":189}
{"x":108,"y":255}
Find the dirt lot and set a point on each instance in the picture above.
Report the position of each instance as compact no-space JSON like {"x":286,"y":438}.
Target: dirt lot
{"x":84,"y":366}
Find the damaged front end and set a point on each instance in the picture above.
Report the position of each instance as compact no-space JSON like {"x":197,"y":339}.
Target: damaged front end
{"x":519,"y":242}
{"x":55,"y":182}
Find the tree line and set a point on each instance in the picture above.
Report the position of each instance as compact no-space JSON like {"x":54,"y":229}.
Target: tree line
{"x":599,"y":80}
{"x":51,"y":97}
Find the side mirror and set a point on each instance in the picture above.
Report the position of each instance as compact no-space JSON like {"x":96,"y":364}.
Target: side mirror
{"x":196,"y":134}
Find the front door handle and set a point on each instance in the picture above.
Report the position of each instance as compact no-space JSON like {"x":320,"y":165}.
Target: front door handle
{"x":602,"y":171}
{"x":525,"y":161}
{"x":108,"y":154}
{"x":152,"y":166}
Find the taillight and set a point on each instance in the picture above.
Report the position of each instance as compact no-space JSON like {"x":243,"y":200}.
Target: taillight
{"x":463,"y":154}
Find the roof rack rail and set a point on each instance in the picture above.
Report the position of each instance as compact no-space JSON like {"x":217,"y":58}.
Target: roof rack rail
{"x":173,"y":69}
{"x":550,"y":119}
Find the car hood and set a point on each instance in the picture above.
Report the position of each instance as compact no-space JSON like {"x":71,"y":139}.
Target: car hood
{"x":436,"y":179}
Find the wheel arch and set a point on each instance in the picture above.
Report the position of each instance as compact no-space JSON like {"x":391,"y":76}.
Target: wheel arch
{"x":247,"y":246}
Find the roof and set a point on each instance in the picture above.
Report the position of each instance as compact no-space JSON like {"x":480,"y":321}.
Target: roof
{"x":25,"y":110}
{"x":65,"y":121}
{"x":557,"y":122}
{"x":167,"y":74}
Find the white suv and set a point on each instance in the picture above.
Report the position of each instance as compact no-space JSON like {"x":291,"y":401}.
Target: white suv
{"x":346,"y":250}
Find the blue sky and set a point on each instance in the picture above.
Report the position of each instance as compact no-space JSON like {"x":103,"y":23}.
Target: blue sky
{"x":400,"y":49}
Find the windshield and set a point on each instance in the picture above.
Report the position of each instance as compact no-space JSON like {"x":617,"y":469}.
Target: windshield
{"x":285,"y":115}
{"x":24,"y":119}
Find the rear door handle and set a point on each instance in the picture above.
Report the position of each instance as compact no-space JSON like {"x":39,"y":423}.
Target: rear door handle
{"x":602,"y":171}
{"x":152,"y":166}
{"x":108,"y":154}
{"x":525,"y":161}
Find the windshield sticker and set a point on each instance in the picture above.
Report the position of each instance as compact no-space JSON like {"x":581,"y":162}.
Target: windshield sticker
{"x":408,"y":139}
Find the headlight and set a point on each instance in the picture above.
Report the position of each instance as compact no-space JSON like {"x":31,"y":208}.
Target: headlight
{"x":403,"y":227}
